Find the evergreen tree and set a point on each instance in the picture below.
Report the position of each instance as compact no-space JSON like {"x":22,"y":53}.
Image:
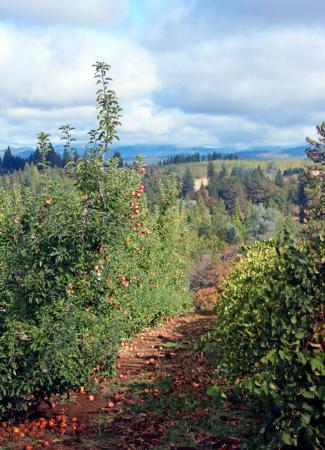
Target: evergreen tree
{"x":237,"y":219}
{"x":8,"y":161}
{"x":233,"y":235}
{"x":219,"y":220}
{"x":223,"y":172}
{"x":316,"y":149}
{"x":259,"y":188}
{"x":271,"y":170}
{"x":35,"y":157}
{"x":118,"y":156}
{"x":53,"y":158}
{"x":211,"y":172}
{"x":187,"y":183}
{"x":258,"y":172}
{"x":279,"y":180}
{"x":200,"y":217}
{"x":302,"y":201}
{"x":314,"y":186}
{"x":30,"y":178}
{"x":248,"y":212}
{"x":230,"y":189}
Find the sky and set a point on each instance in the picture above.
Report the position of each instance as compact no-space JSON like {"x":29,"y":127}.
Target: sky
{"x":209,"y":73}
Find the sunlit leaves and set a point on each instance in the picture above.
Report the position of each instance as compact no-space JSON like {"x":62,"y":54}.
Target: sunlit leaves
{"x":267,"y":336}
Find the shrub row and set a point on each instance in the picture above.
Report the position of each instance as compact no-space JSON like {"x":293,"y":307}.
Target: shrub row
{"x":270,"y":339}
{"x":81,"y":270}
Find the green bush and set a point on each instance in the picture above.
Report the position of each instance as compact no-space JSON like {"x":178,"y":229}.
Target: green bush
{"x":233,"y":236}
{"x":261,"y":223}
{"x":83,"y":268}
{"x":81,"y":271}
{"x":270,"y":340}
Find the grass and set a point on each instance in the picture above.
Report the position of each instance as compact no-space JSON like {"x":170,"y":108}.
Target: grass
{"x":193,"y":415}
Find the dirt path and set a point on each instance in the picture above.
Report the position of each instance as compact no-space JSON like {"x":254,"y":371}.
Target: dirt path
{"x":153,"y":374}
{"x":157,"y":401}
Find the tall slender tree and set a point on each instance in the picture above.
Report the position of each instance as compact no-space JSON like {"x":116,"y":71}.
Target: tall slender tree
{"x":211,"y":172}
{"x":279,"y":180}
{"x":188,"y":183}
{"x":68,"y":139}
{"x":108,"y":108}
{"x":314,"y":185}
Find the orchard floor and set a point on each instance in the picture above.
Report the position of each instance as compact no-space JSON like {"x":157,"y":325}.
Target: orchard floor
{"x":157,"y":401}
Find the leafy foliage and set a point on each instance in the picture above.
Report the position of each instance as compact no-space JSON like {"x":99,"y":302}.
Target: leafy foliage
{"x":314,"y":187}
{"x":83,"y":268}
{"x":270,"y":339}
{"x":44,"y":147}
{"x":233,"y":236}
{"x":261,"y":223}
{"x":270,"y":332}
{"x":108,"y":111}
{"x":68,"y":140}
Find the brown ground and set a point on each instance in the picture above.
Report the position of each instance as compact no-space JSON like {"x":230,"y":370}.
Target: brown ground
{"x":159,"y":399}
{"x":129,"y":425}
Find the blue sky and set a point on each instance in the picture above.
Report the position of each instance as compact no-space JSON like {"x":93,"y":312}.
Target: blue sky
{"x":187,"y":72}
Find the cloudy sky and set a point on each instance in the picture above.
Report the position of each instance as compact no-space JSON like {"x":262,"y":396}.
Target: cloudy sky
{"x":187,"y":72}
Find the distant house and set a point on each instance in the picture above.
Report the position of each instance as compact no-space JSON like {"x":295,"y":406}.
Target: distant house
{"x":191,"y":203}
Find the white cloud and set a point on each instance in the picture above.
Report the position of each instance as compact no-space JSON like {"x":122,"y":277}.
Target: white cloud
{"x":265,"y":72}
{"x":79,"y":11}
{"x":228,"y":89}
{"x":54,"y":67}
{"x":145,"y":122}
{"x":46,"y":77}
{"x":20,"y":125}
{"x":197,"y":20}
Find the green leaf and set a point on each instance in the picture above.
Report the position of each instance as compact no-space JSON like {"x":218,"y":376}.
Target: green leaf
{"x":287,"y":439}
{"x":305,"y":418}
{"x":321,"y":392}
{"x":307,"y":394}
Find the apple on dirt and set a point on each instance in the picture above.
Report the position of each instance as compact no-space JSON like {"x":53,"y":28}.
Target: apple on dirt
{"x":51,"y":423}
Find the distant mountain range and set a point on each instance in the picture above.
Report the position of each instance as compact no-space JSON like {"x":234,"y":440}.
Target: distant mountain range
{"x":154,"y":153}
